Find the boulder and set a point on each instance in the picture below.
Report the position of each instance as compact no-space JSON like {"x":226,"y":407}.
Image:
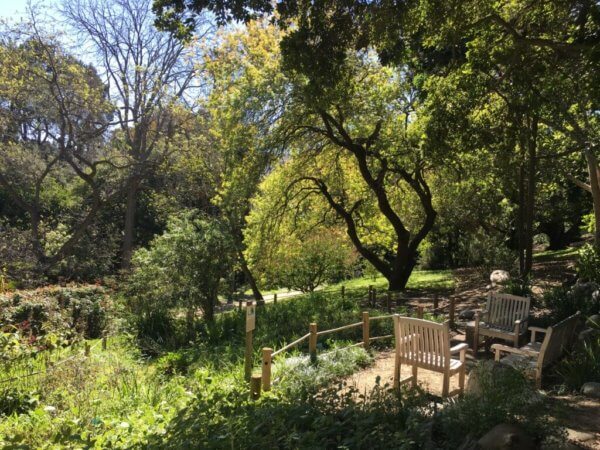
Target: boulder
{"x":506,"y":437}
{"x":466,"y":314}
{"x":591,"y":389}
{"x":488,"y":373}
{"x":593,"y":321}
{"x":588,"y":334}
{"x":499,"y":277}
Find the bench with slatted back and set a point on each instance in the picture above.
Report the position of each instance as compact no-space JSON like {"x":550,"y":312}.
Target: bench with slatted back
{"x":533,"y":357}
{"x":425,"y":344}
{"x":505,"y":317}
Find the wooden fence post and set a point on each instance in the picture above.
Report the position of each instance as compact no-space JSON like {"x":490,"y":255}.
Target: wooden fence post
{"x":250,"y":324}
{"x":451,"y":312}
{"x":343,"y":291}
{"x":420,"y":312}
{"x":365,"y":327}
{"x":255,"y":387}
{"x":312,"y":341}
{"x":275,"y":298}
{"x":104,"y":343}
{"x":239,"y":305}
{"x":266,"y":368}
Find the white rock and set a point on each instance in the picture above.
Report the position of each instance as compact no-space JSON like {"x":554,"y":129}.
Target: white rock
{"x":499,"y":277}
{"x":591,"y":389}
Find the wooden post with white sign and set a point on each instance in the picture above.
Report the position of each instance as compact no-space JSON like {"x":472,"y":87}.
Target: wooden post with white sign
{"x":250,"y":325}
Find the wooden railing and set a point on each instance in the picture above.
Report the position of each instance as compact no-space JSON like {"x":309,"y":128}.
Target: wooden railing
{"x":313,"y":335}
{"x":263,"y":380}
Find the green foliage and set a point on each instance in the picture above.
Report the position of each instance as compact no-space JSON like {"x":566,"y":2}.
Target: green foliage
{"x":306,"y":262}
{"x":182,"y":268}
{"x":565,"y":301}
{"x":588,"y":263}
{"x":582,"y":365}
{"x":505,"y":396}
{"x":336,"y":417}
{"x":66,"y":312}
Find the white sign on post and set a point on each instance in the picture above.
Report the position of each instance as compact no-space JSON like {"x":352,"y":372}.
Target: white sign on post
{"x":250,"y":318}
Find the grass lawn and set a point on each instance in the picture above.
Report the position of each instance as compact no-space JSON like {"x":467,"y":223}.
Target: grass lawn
{"x":420,"y":279}
{"x":556,"y":255}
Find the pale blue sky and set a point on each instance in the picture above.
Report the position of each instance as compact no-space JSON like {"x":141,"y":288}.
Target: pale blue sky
{"x":13,"y":9}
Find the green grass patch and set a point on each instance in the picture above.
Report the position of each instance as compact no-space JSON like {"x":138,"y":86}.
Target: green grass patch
{"x":569,"y":253}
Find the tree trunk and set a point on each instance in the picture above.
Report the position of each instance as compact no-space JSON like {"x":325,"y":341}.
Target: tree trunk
{"x":128,"y":234}
{"x":521,"y":220}
{"x":250,"y":277}
{"x":595,"y":188}
{"x":531,"y":181}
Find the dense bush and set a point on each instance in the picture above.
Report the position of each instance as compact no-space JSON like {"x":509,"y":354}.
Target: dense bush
{"x":305,"y":262}
{"x":182,"y":268}
{"x":69,"y":312}
{"x":504,"y":397}
{"x":565,"y":301}
{"x":336,"y":417}
{"x":588,"y":263}
{"x":582,"y":365}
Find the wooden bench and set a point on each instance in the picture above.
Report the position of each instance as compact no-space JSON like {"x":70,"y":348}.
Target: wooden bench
{"x":425,"y":344}
{"x":533,"y":357}
{"x":505,"y":317}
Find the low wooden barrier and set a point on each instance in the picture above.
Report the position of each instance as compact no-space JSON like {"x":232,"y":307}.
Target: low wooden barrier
{"x":268,"y":354}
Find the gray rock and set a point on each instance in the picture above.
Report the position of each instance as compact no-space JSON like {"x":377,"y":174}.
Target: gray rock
{"x":499,"y":277}
{"x":591,"y":389}
{"x":588,"y":333}
{"x":466,"y":314}
{"x":506,"y":437}
{"x":593,"y":321}
{"x":487,"y":374}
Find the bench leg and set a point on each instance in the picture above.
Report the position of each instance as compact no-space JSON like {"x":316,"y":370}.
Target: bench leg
{"x":414,"y":375}
{"x":397,"y":370}
{"x":461,"y":379}
{"x":538,"y":379}
{"x":446,"y":385}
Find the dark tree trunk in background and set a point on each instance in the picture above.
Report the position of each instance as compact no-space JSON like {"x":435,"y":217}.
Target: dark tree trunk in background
{"x":250,"y":278}
{"x":527,"y":185}
{"x":129,"y":228}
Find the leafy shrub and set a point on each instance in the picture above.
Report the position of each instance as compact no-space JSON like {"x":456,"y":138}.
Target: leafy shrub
{"x":68,"y":312}
{"x":518,"y":286}
{"x":565,"y":301}
{"x":182,"y":268}
{"x":16,"y":401}
{"x":582,"y":365}
{"x":336,"y":417}
{"x":505,"y":397}
{"x":488,"y":253}
{"x":304,"y":263}
{"x":588,"y":263}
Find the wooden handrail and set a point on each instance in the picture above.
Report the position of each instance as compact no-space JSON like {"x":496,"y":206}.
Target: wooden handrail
{"x":390,"y":316}
{"x":290,"y":345}
{"x":377,"y":338}
{"x":345,"y":327}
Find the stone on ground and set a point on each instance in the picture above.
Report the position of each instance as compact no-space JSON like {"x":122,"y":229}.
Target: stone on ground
{"x":591,"y":389}
{"x":499,"y":277}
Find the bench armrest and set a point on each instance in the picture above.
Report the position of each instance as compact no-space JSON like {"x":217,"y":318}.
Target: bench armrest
{"x":498,"y":348}
{"x":535,"y":330}
{"x":462,"y":348}
{"x":538,"y":329}
{"x":458,"y":347}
